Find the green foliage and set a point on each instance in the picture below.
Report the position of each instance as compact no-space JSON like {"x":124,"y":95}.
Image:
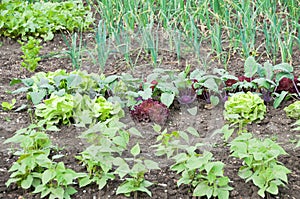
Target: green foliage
{"x":55,"y":110}
{"x":170,"y":143}
{"x":136,"y":174}
{"x":204,"y":175}
{"x":108,"y":139}
{"x":74,"y":50}
{"x":31,"y":51}
{"x":210,"y":87}
{"x":60,"y":82}
{"x":34,"y":168}
{"x":98,"y":161}
{"x":56,"y":181}
{"x":226,"y":131}
{"x":6,"y":106}
{"x":161,"y":85}
{"x":33,"y":157}
{"x":87,"y":111}
{"x":244,"y":108}
{"x":293,"y":110}
{"x":260,"y":162}
{"x":42,"y":19}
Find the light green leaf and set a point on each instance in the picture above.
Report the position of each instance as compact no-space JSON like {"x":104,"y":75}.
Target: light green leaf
{"x":192,"y":131}
{"x":47,"y":176}
{"x":285,"y":67}
{"x":146,"y":94}
{"x":214,"y":100}
{"x":193,"y":111}
{"x":273,"y":189}
{"x":135,"y":150}
{"x":36,"y":97}
{"x":84,"y":181}
{"x":202,"y":189}
{"x":211,"y":84}
{"x":157,"y":128}
{"x":250,"y":67}
{"x":151,"y":164}
{"x":26,"y":184}
{"x":70,"y":191}
{"x":125,"y":188}
{"x":279,"y":99}
{"x":167,"y":98}
{"x":12,"y":180}
{"x":223,"y":194}
{"x":134,"y":131}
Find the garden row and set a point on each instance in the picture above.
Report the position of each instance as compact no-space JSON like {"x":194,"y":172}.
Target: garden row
{"x":263,"y":29}
{"x":96,"y":103}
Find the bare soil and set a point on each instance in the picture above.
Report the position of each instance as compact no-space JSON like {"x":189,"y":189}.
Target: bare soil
{"x":276,"y":125}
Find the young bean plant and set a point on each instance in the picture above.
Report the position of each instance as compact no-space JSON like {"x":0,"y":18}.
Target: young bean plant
{"x":260,"y":163}
{"x":135,"y":180}
{"x":203,"y":174}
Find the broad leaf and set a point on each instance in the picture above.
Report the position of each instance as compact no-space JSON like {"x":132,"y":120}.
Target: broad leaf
{"x":135,"y":150}
{"x":167,"y":98}
{"x":26,"y":184}
{"x":250,"y":67}
{"x":279,"y":99}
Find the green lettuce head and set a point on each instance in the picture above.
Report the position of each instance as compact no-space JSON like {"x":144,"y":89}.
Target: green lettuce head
{"x":244,"y":108}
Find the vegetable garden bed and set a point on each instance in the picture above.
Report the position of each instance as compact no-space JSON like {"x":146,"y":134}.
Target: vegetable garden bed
{"x":138,"y":122}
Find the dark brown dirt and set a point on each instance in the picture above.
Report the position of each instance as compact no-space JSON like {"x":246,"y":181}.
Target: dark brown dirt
{"x":276,"y":125}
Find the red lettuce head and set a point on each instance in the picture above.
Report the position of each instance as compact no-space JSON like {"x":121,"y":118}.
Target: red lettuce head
{"x":150,"y":111}
{"x":286,"y":84}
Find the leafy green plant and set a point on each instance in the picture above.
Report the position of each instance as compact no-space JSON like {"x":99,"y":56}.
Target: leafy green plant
{"x":260,"y":163}
{"x":41,"y":85}
{"x":293,"y":110}
{"x":87,"y":111}
{"x":274,"y":83}
{"x":34,"y":168}
{"x":201,"y":173}
{"x":33,"y":157}
{"x":108,"y":140}
{"x":244,"y":108}
{"x":226,"y":131}
{"x":98,"y":161}
{"x":42,"y":19}
{"x":30,"y":51}
{"x":208,"y":86}
{"x":55,"y":110}
{"x":136,"y":174}
{"x":169,"y":143}
{"x":6,"y":106}
{"x":56,"y":181}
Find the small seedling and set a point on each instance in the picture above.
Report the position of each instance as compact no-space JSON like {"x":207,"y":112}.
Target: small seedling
{"x":6,"y":106}
{"x":31,"y":51}
{"x":136,"y":174}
